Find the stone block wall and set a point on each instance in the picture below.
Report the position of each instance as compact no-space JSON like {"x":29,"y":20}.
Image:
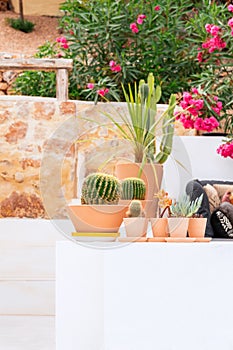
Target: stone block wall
{"x":26,"y":125}
{"x":43,"y":143}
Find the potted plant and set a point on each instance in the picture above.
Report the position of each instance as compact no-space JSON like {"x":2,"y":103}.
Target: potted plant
{"x":135,"y":221}
{"x":159,"y":225}
{"x":179,"y":214}
{"x":99,"y":211}
{"x":135,"y":188}
{"x":143,"y":128}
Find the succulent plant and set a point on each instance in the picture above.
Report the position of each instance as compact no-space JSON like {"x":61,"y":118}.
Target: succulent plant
{"x":186,"y":208}
{"x":100,"y":188}
{"x":133,"y":188}
{"x":135,"y":209}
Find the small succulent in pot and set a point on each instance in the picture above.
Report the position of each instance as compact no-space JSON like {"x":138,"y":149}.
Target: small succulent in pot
{"x":135,"y":210}
{"x":100,"y":188}
{"x":133,"y":188}
{"x":185,"y":208}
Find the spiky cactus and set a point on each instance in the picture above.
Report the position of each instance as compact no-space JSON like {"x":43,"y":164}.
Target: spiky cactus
{"x":133,"y":188}
{"x":100,"y":188}
{"x":135,"y":209}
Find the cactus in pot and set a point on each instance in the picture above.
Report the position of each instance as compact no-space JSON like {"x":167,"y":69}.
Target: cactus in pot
{"x":133,"y":188}
{"x":100,"y":188}
{"x":135,"y":210}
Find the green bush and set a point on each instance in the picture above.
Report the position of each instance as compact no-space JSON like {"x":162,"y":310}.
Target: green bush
{"x":216,"y":67}
{"x":22,"y":25}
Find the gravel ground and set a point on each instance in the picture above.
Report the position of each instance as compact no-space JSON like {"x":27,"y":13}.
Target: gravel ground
{"x":15,"y":42}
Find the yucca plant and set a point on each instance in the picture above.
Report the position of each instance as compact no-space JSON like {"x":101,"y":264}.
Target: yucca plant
{"x":141,"y":125}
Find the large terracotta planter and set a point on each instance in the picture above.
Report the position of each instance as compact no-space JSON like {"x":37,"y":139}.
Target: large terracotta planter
{"x":136,"y":227}
{"x":196,"y":227}
{"x":96,"y":218}
{"x":178,"y":227}
{"x":152,"y":175}
{"x":159,"y":227}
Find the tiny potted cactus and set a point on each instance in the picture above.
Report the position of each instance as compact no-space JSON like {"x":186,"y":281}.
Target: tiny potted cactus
{"x":159,"y":224}
{"x":180,"y":213}
{"x":135,"y":188}
{"x":135,"y":221}
{"x":99,"y":211}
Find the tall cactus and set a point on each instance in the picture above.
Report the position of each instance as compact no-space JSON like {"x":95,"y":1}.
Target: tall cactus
{"x":133,"y":188}
{"x":100,"y":188}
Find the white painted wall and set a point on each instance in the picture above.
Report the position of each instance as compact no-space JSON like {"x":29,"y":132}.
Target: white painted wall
{"x":195,"y":157}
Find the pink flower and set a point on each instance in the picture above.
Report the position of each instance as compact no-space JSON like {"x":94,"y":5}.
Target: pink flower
{"x":214,"y":30}
{"x":200,"y":56}
{"x":230,"y":8}
{"x":65,"y":46}
{"x":157,"y":8}
{"x":226,"y":149}
{"x":215,"y":98}
{"x":102,"y":92}
{"x":114,"y":66}
{"x":90,"y":85}
{"x":230,"y":22}
{"x":195,"y":91}
{"x":140,"y":19}
{"x":209,"y":124}
{"x":134,"y":28}
{"x":112,"y":63}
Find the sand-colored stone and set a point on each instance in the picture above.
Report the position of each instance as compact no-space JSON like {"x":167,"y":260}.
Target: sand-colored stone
{"x":40,"y":7}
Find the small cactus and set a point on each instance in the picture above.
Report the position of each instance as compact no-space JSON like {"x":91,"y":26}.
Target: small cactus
{"x":133,"y":188}
{"x":100,"y":188}
{"x":135,"y":210}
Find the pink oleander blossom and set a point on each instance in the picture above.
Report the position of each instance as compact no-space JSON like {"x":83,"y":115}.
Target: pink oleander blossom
{"x":230,"y":8}
{"x":133,"y":26}
{"x":157,"y":8}
{"x":65,"y":46}
{"x":102,"y":92}
{"x":226,"y":149}
{"x":230,"y":22}
{"x":90,"y":86}
{"x":140,"y":18}
{"x":114,"y":66}
{"x":197,"y":109}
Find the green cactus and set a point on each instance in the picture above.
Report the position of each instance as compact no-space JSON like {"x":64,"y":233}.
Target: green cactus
{"x":133,"y":188}
{"x":186,"y":208}
{"x":100,"y":188}
{"x":135,"y":209}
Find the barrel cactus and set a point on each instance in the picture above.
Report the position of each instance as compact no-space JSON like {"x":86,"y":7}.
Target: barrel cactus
{"x":100,"y":188}
{"x":133,"y":188}
{"x":135,"y":209}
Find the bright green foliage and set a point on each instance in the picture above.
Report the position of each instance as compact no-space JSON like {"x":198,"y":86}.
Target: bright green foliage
{"x":100,"y":188}
{"x":186,"y":208}
{"x":22,"y":25}
{"x":133,"y":188}
{"x":135,"y":209}
{"x":98,"y":31}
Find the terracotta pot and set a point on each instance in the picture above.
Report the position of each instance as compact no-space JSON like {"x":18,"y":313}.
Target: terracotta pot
{"x":149,"y":206}
{"x":152,"y":175}
{"x":178,"y":227}
{"x":159,"y":227}
{"x":136,"y":227}
{"x":96,"y":218}
{"x":196,"y":227}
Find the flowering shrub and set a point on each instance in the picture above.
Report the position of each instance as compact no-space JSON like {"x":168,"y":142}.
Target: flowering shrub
{"x":115,"y":42}
{"x":211,"y":35}
{"x":199,"y":111}
{"x":226,"y":149}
